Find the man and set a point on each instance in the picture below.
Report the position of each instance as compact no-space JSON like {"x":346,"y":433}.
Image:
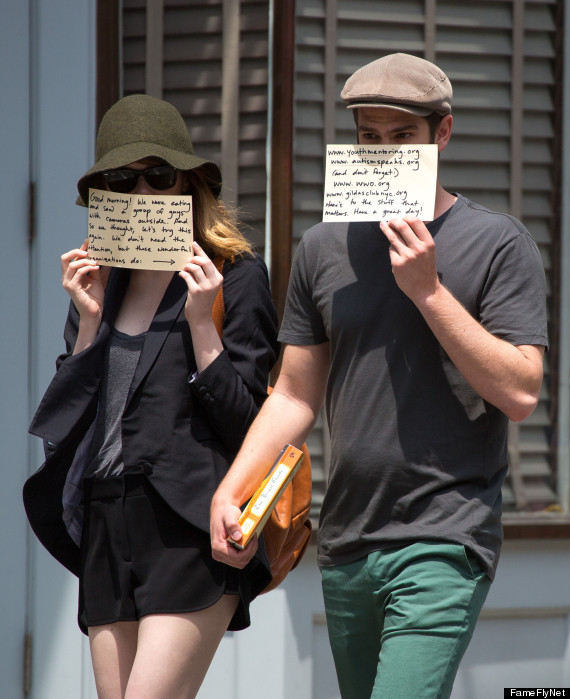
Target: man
{"x":427,"y":338}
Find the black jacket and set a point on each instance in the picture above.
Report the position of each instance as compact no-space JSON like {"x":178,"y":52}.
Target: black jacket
{"x":182,"y":434}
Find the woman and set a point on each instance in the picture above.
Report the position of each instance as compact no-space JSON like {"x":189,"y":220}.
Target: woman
{"x":143,"y":417}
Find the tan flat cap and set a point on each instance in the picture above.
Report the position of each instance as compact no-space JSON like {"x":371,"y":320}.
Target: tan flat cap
{"x":400,"y":81}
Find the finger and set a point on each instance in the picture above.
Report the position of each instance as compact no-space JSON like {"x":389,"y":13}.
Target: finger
{"x":204,"y":259}
{"x":226,"y":523}
{"x":392,"y":236}
{"x":195,"y":264}
{"x":81,"y":262}
{"x":68,"y":257}
{"x":234,"y":532}
{"x":94,"y":273}
{"x":198,"y":250}
{"x":238,"y":558}
{"x":233,"y":557}
{"x":418,"y":227}
{"x":85,"y":271}
{"x":204,"y":277}
{"x":190,"y":281}
{"x":201,"y":266}
{"x":77,"y":267}
{"x":222,"y":549}
{"x":402,"y":231}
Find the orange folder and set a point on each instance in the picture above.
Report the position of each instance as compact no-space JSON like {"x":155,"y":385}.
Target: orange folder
{"x":263,"y":501}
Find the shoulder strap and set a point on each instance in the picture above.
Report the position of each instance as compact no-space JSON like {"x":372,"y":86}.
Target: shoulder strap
{"x":218,"y":308}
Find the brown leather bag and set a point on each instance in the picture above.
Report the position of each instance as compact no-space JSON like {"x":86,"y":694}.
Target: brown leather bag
{"x":288,"y":530}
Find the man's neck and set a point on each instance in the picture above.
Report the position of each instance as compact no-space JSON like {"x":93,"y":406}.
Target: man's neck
{"x":443,"y":200}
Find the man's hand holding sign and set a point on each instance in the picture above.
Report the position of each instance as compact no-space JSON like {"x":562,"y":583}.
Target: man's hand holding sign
{"x":395,"y":185}
{"x":412,"y":254}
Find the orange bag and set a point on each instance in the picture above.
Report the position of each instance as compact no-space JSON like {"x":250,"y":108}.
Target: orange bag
{"x":288,"y":530}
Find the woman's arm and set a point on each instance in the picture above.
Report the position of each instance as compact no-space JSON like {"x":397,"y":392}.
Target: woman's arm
{"x":203,"y":281}
{"x":233,"y":374}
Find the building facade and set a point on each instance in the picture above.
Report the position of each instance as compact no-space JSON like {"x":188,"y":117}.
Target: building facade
{"x":258,"y":82}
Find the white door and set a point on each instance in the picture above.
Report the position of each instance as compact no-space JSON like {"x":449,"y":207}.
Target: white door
{"x":48,"y":114}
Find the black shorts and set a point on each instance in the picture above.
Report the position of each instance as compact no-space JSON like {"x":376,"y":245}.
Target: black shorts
{"x":139,"y":557}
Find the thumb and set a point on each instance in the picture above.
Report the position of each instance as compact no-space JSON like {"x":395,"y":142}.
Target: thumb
{"x":231,"y":525}
{"x":224,"y":522}
{"x":235,"y":533}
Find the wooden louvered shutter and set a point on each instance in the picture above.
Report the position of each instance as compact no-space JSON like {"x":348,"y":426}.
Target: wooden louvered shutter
{"x":209,"y":59}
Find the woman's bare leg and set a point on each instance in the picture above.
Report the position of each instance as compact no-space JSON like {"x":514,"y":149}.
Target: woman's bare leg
{"x":174,"y":651}
{"x":113,"y":651}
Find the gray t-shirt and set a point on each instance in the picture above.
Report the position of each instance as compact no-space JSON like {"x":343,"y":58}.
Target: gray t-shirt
{"x":416,"y":453}
{"x":121,"y":359}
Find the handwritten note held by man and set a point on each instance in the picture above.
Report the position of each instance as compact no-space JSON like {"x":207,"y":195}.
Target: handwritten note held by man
{"x":377,"y":183}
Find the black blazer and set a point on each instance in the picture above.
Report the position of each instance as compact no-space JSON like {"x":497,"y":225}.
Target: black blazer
{"x":182,"y":433}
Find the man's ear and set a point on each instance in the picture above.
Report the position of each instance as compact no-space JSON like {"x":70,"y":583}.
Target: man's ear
{"x":443,"y":133}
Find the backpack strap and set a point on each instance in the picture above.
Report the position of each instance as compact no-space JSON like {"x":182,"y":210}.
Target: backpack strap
{"x":218,"y":308}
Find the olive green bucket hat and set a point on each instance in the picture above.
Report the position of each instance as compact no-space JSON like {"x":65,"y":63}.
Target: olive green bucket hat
{"x":141,"y":126}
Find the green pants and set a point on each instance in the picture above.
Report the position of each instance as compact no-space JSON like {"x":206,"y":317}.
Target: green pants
{"x":400,"y":620}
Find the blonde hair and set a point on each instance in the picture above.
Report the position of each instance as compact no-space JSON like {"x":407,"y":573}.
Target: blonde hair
{"x":214,"y":227}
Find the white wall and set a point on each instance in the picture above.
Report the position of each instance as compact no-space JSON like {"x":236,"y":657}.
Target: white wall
{"x":14,"y":175}
{"x":522,"y":638}
{"x":63,"y":127}
{"x":47,"y":78}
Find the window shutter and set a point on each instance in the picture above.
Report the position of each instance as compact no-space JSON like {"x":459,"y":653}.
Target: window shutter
{"x":209,"y":59}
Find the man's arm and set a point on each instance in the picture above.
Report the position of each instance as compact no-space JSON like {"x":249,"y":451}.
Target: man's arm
{"x":287,"y":417}
{"x":507,"y":376}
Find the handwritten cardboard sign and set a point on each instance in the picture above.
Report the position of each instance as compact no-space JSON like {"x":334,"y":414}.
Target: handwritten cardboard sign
{"x":377,"y":183}
{"x":142,"y":231}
